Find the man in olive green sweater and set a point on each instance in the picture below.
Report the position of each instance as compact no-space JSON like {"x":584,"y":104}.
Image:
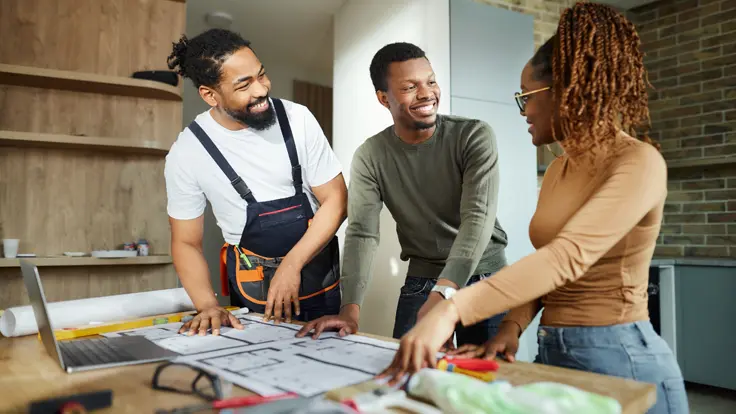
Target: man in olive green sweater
{"x":438,"y":176}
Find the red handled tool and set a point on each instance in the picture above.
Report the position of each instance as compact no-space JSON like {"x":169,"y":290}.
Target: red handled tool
{"x":237,"y":402}
{"x":473,"y":364}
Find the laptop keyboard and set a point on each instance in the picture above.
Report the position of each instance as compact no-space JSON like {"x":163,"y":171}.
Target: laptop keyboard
{"x":92,"y":352}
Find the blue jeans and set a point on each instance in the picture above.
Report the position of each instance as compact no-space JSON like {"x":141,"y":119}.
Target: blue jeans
{"x":327,"y":303}
{"x":415,"y":292}
{"x":631,"y":350}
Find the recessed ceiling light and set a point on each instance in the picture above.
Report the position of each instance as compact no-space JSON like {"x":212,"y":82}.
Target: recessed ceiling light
{"x":220,"y":20}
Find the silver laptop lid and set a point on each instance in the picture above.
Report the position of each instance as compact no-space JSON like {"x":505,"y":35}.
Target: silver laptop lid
{"x":32,"y":281}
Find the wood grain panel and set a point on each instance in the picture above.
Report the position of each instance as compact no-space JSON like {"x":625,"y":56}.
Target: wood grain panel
{"x":109,"y":37}
{"x":69,"y":283}
{"x":86,"y":82}
{"x":318,"y":99}
{"x":37,"y":139}
{"x":73,"y":113}
{"x":70,"y":200}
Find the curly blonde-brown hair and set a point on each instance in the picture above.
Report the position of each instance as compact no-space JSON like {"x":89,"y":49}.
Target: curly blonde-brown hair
{"x":599,"y":82}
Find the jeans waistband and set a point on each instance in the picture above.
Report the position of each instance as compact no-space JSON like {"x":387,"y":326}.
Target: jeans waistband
{"x":634,"y":333}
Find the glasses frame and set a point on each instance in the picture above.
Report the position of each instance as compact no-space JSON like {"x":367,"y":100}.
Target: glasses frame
{"x":212,"y":378}
{"x":522,"y":103}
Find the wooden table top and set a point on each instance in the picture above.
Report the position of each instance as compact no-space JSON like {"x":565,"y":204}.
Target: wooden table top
{"x":28,"y":373}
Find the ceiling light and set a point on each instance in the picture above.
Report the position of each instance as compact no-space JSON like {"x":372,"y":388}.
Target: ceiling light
{"x":220,"y":20}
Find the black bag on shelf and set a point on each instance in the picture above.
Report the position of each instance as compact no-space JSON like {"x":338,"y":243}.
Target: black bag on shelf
{"x":164,"y":76}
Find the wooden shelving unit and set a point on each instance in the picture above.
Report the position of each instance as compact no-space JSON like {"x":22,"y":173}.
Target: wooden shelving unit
{"x":89,"y":261}
{"x":83,"y":144}
{"x":32,"y":139}
{"x":86,"y":82}
{"x":703,"y":162}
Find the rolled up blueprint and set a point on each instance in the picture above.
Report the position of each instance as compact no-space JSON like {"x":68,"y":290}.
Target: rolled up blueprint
{"x":20,"y":320}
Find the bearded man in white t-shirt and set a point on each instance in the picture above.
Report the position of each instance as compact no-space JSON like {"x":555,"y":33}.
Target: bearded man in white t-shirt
{"x":275,"y":186}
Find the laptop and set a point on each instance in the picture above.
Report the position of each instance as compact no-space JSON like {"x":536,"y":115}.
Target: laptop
{"x":87,"y":354}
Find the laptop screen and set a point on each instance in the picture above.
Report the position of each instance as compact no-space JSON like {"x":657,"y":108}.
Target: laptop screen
{"x":32,"y":281}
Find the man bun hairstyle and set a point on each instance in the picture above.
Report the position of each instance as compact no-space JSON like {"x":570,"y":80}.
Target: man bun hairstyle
{"x":200,"y":58}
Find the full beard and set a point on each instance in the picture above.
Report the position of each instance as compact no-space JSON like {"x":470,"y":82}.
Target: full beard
{"x":257,"y":120}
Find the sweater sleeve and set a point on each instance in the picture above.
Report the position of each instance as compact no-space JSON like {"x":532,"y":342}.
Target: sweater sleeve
{"x":362,"y":233}
{"x":636,"y":183}
{"x":477,"y":205}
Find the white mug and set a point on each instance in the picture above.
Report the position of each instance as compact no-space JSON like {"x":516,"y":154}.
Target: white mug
{"x":10,"y":248}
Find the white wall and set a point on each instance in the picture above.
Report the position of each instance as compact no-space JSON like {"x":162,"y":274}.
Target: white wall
{"x":283,"y":75}
{"x":361,"y":28}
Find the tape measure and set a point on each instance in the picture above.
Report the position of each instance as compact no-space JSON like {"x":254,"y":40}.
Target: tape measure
{"x":72,"y":408}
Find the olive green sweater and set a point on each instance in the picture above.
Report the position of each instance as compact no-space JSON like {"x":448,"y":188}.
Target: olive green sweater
{"x":441,"y":193}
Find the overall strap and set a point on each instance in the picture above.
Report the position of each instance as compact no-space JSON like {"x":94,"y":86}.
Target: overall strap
{"x":296,"y":169}
{"x":221,"y":162}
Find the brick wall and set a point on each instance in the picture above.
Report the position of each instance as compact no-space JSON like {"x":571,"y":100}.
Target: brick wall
{"x":691,"y":59}
{"x":546,"y":14}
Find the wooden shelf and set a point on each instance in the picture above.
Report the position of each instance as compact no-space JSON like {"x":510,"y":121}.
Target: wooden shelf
{"x":89,"y":261}
{"x":86,"y":82}
{"x":35,"y":139}
{"x":702,"y":162}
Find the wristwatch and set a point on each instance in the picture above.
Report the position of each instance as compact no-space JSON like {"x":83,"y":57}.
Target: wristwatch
{"x":446,"y":291}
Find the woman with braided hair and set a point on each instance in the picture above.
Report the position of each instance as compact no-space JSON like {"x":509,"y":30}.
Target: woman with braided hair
{"x":596,"y":224}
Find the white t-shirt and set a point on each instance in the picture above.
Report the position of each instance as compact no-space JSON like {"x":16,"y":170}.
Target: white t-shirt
{"x":259,"y":157}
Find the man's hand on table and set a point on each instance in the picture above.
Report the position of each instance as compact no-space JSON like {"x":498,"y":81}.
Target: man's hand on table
{"x":506,"y":343}
{"x":213,"y":317}
{"x":345,"y":323}
{"x":283,"y":292}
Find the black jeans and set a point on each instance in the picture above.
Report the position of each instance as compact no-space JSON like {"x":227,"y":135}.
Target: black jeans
{"x":327,"y":303}
{"x":415,"y":292}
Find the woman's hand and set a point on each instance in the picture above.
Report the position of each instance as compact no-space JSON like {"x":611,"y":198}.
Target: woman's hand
{"x":506,"y":343}
{"x":420,"y":345}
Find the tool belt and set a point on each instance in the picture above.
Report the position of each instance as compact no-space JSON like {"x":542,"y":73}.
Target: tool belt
{"x":253,"y":273}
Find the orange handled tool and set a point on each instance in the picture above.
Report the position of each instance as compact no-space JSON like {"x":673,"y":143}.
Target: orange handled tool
{"x":476,"y":368}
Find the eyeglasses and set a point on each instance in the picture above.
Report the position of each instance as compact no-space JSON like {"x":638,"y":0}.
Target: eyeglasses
{"x":177,"y":377}
{"x":521,"y":98}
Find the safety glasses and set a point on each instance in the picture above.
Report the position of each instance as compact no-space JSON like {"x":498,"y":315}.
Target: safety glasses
{"x":186,"y":379}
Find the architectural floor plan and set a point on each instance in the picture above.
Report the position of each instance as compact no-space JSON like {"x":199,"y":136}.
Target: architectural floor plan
{"x":269,"y":359}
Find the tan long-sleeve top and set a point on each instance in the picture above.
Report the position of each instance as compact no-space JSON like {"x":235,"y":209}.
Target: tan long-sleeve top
{"x":595,"y":229}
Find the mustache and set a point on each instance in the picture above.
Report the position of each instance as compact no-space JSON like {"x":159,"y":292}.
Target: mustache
{"x":257,"y":102}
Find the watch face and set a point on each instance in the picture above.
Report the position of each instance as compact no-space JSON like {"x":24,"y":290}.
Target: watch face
{"x":445,"y":291}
